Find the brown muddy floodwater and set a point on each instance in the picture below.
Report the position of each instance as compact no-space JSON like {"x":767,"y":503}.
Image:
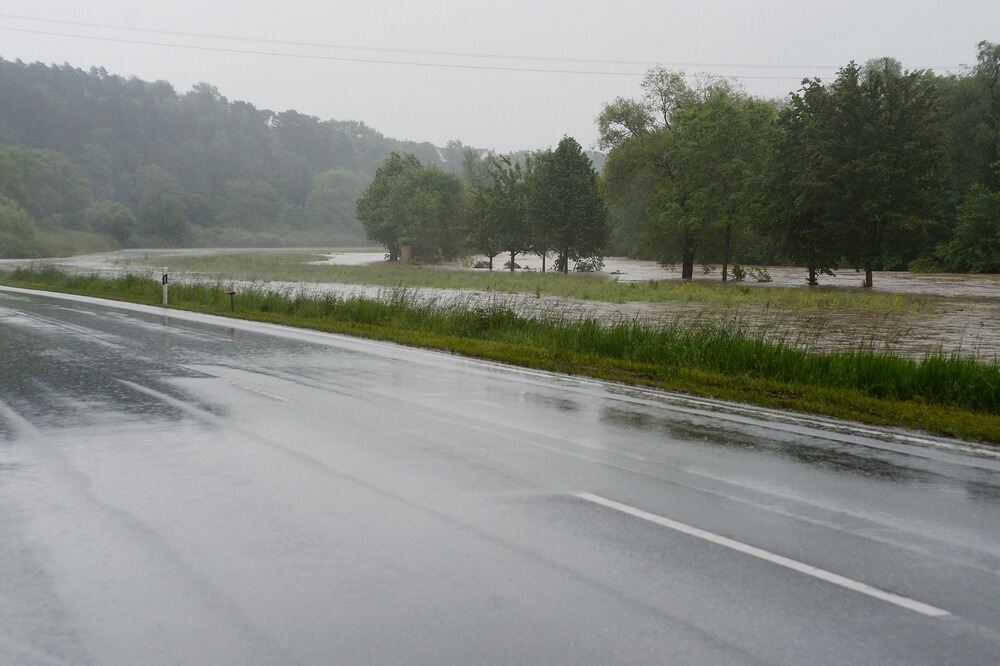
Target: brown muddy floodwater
{"x":964,"y":316}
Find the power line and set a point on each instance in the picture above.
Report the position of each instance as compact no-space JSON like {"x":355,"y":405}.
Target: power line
{"x":421,"y":52}
{"x":378,"y":61}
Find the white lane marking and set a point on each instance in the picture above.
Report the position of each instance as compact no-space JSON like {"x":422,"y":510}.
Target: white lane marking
{"x":780,"y":560}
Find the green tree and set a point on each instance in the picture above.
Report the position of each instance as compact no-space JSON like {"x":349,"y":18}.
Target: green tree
{"x":501,"y":217}
{"x":692,"y":185}
{"x":987,"y":77}
{"x":255,"y":205}
{"x":476,"y":167}
{"x":48,"y":185}
{"x":161,"y":206}
{"x":976,"y":243}
{"x":112,"y":219}
{"x":431,"y":210}
{"x":374,"y":210}
{"x":802,"y":223}
{"x":665,"y":94}
{"x":633,"y":173}
{"x":424,"y":207}
{"x":621,"y":120}
{"x":564,"y":203}
{"x":333,"y":200}
{"x":720,"y":150}
{"x":18,"y":236}
{"x":880,"y":151}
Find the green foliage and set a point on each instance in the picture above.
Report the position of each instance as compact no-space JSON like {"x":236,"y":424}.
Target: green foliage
{"x":410,"y":204}
{"x":21,"y":239}
{"x":664,"y":95}
{"x":691,"y":183}
{"x":717,"y":162}
{"x":565,"y":206}
{"x":18,"y":235}
{"x":47,"y":185}
{"x":161,"y":206}
{"x":976,"y":122}
{"x":68,"y":136}
{"x":802,"y":223}
{"x":881,"y":151}
{"x":254,"y":205}
{"x":111,"y":219}
{"x":373,"y":209}
{"x":870,"y":169}
{"x":858,"y":168}
{"x":500,"y":209}
{"x":332,"y":201}
{"x":976,"y":243}
{"x":621,"y":120}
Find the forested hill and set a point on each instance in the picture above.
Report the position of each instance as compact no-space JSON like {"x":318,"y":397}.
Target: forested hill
{"x":138,"y":162}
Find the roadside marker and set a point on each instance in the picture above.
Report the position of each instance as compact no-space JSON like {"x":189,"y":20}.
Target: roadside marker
{"x":780,"y":560}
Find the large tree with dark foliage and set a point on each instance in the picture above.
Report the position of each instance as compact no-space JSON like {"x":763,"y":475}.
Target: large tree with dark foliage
{"x":423,"y":207}
{"x":879,"y":155}
{"x":688,"y":183}
{"x":565,"y":205}
{"x":500,"y":211}
{"x":801,"y":222}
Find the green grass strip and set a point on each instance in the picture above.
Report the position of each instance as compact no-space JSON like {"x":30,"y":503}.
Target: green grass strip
{"x":947,"y":395}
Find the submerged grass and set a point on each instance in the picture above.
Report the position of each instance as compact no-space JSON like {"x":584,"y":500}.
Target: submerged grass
{"x":950,"y":395}
{"x":294,"y":267}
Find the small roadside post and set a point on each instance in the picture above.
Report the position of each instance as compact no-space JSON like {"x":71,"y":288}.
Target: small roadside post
{"x":164,"y":280}
{"x":232,"y":298}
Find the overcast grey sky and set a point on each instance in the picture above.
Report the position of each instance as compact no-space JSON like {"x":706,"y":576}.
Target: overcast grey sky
{"x":495,"y":109}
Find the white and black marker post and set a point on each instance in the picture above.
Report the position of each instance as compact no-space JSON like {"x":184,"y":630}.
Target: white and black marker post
{"x":164,"y":280}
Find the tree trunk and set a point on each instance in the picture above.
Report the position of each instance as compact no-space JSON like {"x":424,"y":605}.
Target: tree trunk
{"x":564,"y":260}
{"x":544,"y":254}
{"x":491,"y":263}
{"x":687,"y":266}
{"x":726,"y":249}
{"x":393,"y":253}
{"x":512,"y":255}
{"x":868,"y":277}
{"x":813,"y":280}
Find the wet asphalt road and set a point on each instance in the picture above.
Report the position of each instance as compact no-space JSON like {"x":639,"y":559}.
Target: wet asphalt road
{"x":179,"y":489}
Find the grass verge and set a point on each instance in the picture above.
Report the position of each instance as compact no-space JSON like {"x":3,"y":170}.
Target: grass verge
{"x":947,"y":395}
{"x":294,"y":267}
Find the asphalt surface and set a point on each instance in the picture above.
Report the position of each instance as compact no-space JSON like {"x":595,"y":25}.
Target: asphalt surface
{"x":176,"y":488}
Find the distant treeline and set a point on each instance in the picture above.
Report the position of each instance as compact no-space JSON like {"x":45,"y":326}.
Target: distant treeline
{"x":89,"y":160}
{"x":879,"y":168}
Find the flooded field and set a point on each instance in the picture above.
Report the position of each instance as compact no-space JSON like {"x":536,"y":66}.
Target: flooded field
{"x":964,"y":317}
{"x":638,"y":270}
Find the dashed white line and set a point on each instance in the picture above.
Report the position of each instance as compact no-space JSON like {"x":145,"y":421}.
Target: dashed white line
{"x":780,"y":560}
